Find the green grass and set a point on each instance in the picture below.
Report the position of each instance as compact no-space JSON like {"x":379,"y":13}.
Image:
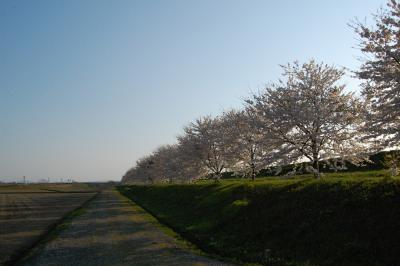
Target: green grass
{"x":342,"y":219}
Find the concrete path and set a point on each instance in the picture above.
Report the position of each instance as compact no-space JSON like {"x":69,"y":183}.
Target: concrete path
{"x":113,"y":231}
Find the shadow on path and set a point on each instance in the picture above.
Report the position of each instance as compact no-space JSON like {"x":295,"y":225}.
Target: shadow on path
{"x":112,"y":231}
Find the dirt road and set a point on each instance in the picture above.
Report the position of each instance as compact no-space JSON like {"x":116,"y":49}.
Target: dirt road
{"x":25,"y":217}
{"x":113,"y":231}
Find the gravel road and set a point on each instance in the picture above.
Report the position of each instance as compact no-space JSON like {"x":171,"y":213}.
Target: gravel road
{"x":113,"y":231}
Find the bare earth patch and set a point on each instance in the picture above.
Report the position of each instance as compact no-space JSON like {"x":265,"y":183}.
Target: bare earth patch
{"x":26,"y":216}
{"x":113,"y":231}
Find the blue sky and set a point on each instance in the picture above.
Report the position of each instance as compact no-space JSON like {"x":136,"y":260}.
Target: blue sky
{"x":88,"y":87}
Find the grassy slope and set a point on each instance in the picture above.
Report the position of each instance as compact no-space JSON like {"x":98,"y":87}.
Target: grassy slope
{"x":343,"y":219}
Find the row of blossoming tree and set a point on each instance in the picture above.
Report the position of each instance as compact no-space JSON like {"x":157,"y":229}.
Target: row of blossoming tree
{"x":308,"y":115}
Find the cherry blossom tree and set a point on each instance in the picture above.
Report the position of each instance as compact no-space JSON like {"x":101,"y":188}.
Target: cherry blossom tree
{"x":205,"y":141}
{"x":310,"y":114}
{"x":168,"y":163}
{"x":380,"y":73}
{"x":142,"y":172}
{"x":249,"y":147}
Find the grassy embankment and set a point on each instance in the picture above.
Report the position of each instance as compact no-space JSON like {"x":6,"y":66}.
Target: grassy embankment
{"x":342,"y":219}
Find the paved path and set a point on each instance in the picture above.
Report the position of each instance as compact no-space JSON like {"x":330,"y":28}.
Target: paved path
{"x":113,"y":231}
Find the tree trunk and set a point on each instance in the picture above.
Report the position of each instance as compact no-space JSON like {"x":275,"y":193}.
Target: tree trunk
{"x":316,"y":167}
{"x":217,"y":177}
{"x":253,"y":172}
{"x":253,"y":165}
{"x":315,"y":161}
{"x":394,"y":171}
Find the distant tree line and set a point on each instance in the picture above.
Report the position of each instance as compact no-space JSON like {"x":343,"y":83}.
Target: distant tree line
{"x":308,"y":115}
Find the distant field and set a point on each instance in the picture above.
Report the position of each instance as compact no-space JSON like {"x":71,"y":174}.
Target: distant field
{"x":22,"y":188}
{"x":28,"y":211}
{"x":343,"y":219}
